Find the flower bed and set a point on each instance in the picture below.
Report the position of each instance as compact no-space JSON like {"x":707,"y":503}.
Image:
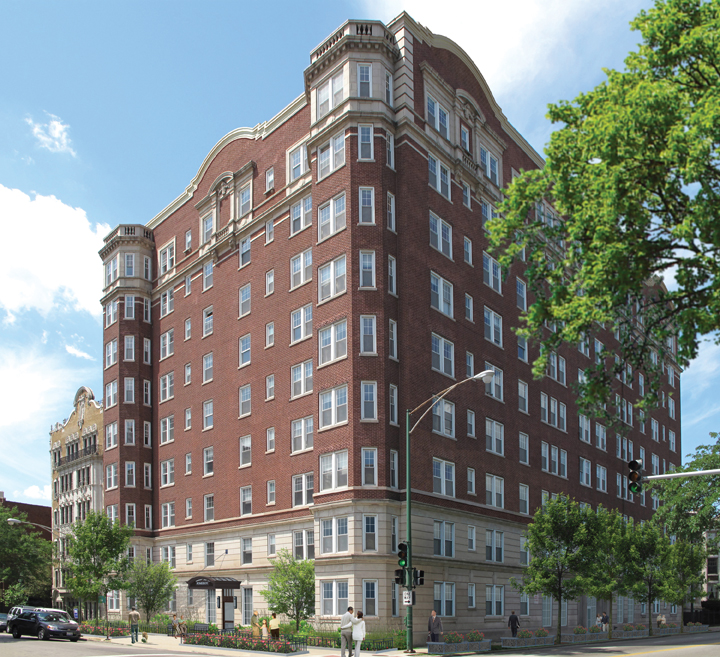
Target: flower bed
{"x":664,"y":630}
{"x":629,"y":634}
{"x":696,"y":627}
{"x":102,"y":631}
{"x":241,"y":643}
{"x":527,"y":639}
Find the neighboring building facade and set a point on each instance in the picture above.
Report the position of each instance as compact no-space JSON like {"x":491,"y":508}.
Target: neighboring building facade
{"x":76,"y":454}
{"x":324,"y":271}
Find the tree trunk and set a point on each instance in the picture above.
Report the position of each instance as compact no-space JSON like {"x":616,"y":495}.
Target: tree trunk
{"x":649,"y":607}
{"x":558,"y":638}
{"x":610,"y":619}
{"x":107,"y":620}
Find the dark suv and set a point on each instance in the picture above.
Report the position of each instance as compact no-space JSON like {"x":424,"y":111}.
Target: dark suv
{"x":44,"y":625}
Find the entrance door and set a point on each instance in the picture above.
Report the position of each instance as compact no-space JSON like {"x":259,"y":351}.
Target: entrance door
{"x":229,"y":615}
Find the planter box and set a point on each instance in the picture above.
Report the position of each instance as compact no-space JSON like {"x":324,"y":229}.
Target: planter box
{"x":583,"y":638}
{"x":631,"y":634}
{"x":661,"y":631}
{"x":438,"y":648}
{"x":702,"y":628}
{"x":511,"y":642}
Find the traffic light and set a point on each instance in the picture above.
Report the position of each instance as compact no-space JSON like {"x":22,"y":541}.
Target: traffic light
{"x":635,"y":476}
{"x":399,"y":576}
{"x":402,"y":555}
{"x":418,"y":577}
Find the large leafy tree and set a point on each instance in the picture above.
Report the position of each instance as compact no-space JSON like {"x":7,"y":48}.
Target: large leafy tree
{"x":685,"y":562}
{"x":560,"y":548}
{"x":291,"y":588}
{"x":97,"y":557}
{"x":634,"y":170}
{"x":151,"y":584}
{"x":606,"y":573}
{"x":691,"y":505}
{"x":25,"y":559}
{"x":647,"y":562}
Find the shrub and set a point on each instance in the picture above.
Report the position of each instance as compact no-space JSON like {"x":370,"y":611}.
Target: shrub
{"x":672,"y":625}
{"x":525,"y":634}
{"x":580,"y":630}
{"x":475,"y":635}
{"x":400,"y":640}
{"x":594,"y":629}
{"x":628,"y":628}
{"x":453,"y":637}
{"x":542,"y":632}
{"x":640,"y":626}
{"x":212,"y":628}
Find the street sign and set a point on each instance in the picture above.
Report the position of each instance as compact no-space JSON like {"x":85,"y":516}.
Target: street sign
{"x":101,"y":599}
{"x":407,"y":598}
{"x":75,"y":613}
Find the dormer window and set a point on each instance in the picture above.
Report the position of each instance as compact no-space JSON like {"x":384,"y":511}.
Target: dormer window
{"x":207,"y":228}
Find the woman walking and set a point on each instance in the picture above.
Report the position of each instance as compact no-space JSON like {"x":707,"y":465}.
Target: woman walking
{"x":358,"y":633}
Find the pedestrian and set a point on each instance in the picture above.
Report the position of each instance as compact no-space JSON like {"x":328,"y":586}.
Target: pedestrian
{"x":605,"y":621}
{"x":346,"y":631}
{"x":182,"y":627}
{"x":274,"y":627}
{"x":255,"y":623}
{"x":598,"y":620}
{"x":264,"y":629}
{"x":175,"y":625}
{"x":435,"y":628}
{"x":134,"y":620}
{"x":513,"y":623}
{"x":358,"y":633}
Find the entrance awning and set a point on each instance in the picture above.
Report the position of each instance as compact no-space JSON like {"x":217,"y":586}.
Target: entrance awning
{"x":212,"y":583}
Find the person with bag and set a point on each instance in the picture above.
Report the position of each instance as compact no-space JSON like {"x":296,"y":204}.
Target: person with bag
{"x":358,"y":633}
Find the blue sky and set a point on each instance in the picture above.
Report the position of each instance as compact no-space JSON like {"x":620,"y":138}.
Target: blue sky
{"x":107,"y":111}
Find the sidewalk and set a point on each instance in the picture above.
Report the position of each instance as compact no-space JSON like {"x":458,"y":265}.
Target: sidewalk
{"x":163,"y":642}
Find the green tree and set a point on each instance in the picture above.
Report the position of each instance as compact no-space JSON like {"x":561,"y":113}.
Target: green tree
{"x":690,"y":504}
{"x":647,"y":562}
{"x":634,"y":170}
{"x":606,"y":572}
{"x":25,"y":557}
{"x":291,"y":588}
{"x":15,"y":595}
{"x":560,"y":552}
{"x":97,"y":557}
{"x":151,"y":584}
{"x":684,"y":579}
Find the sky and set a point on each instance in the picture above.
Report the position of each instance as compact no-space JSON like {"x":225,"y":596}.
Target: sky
{"x":107,"y":111}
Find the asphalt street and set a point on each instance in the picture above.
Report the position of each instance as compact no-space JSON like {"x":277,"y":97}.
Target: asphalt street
{"x":694,"y":645}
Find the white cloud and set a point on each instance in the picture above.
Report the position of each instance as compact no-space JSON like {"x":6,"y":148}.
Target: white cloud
{"x":516,"y":42}
{"x":76,"y":352}
{"x":52,"y":135}
{"x":62,"y":268}
{"x":703,"y":372}
{"x":34,"y":493}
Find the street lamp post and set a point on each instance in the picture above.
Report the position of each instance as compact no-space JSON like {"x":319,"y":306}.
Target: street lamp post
{"x":486,"y":376}
{"x":17,"y":521}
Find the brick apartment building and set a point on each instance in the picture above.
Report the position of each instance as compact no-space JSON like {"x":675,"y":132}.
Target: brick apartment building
{"x":323,"y":272}
{"x":78,"y":479}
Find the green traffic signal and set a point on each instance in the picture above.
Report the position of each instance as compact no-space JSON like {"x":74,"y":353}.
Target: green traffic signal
{"x":402,"y":555}
{"x":636,"y":476}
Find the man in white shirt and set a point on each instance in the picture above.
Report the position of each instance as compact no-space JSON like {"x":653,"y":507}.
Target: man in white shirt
{"x":346,"y":630}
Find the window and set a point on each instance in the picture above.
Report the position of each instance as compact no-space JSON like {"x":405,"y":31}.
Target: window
{"x":270,"y":439}
{"x":244,"y":350}
{"x":585,"y":474}
{"x":392,"y":275}
{"x":388,"y":88}
{"x":444,"y":598}
{"x":367,"y":269}
{"x":167,"y":258}
{"x":111,"y":435}
{"x":443,"y":355}
{"x":302,"y":378}
{"x":494,"y":544}
{"x":111,"y":394}
{"x":392,"y":405}
{"x":302,"y":434}
{"x":438,"y":117}
{"x":298,"y":162}
{"x":524,"y":496}
{"x":443,"y":538}
{"x":671,"y":440}
{"x":494,"y":491}
{"x":188,"y":373}
{"x":269,"y":185}
{"x":443,"y":413}
{"x":521,"y":294}
{"x":441,"y":294}
{"x":600,"y":437}
{"x":467,"y":250}
{"x":207,"y":229}
{"x":364,"y":80}
{"x":111,"y":353}
{"x":245,"y":405}
{"x":129,"y":264}
{"x":494,"y":437}
{"x":489,"y":165}
{"x":392,"y":339}
{"x":300,"y":269}
{"x":207,"y":321}
{"x":246,"y":510}
{"x":332,"y":279}
{"x":210,"y":560}
{"x":271,"y":500}
{"x":493,"y":327}
{"x":330,"y":94}
{"x":331,"y":220}
{"x":495,"y":387}
{"x":111,"y":476}
{"x":556,"y":367}
{"x":208,"y":414}
{"x":188,"y":514}
{"x":441,"y":235}
{"x":188,"y":463}
{"x":129,"y":307}
{"x":601,"y":478}
{"x":369,"y":533}
{"x":168,"y":514}
{"x":129,"y":347}
{"x":524,"y":449}
{"x":334,"y":470}
{"x":523,"y":396}
{"x":167,"y":386}
{"x":302,"y":489}
{"x":494,"y":600}
{"x":331,"y":156}
{"x":522,"y":348}
{"x":167,"y":344}
{"x":209,"y":508}
{"x":471,"y":538}
{"x":245,"y":444}
{"x":394,"y":471}
{"x":147,"y":475}
{"x":584,"y":428}
{"x":465,"y":138}
{"x":468,"y":308}
{"x":491,"y":273}
{"x":671,"y":407}
{"x":471,"y":481}
{"x":369,"y":467}
{"x":444,"y":477}
{"x":391,"y":212}
{"x":111,"y":313}
{"x":598,"y":351}
{"x":365,"y":143}
{"x":147,"y":434}
{"x":129,"y":432}
{"x":333,"y":342}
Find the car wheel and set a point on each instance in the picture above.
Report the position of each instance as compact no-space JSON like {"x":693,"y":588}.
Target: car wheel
{"x":74,"y":640}
{"x":42,"y":634}
{"x":16,"y":633}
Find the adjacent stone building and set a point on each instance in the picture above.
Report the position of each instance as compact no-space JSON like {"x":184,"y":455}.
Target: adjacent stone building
{"x":323,"y":272}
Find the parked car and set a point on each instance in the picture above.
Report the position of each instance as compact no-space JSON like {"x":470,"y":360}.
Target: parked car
{"x":3,"y":622}
{"x":44,"y":625}
{"x":14,"y":613}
